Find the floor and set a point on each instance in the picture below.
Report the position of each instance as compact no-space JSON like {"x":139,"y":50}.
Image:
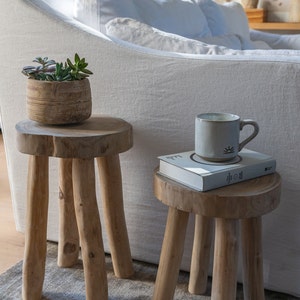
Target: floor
{"x":11,"y":241}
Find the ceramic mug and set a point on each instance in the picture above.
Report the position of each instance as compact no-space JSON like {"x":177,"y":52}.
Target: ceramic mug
{"x":217,"y":135}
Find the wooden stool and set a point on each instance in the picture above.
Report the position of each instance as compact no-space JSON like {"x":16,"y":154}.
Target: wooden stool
{"x":246,"y":201}
{"x":76,"y":146}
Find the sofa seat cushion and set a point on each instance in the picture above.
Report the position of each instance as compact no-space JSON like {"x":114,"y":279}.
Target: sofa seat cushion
{"x":141,"y":34}
{"x":231,"y":41}
{"x":135,"y":32}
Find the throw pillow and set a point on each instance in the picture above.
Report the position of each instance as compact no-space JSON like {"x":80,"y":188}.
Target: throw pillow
{"x":98,"y":12}
{"x":214,"y":16}
{"x":227,"y":18}
{"x":236,"y":22}
{"x":141,"y":34}
{"x":182,"y":17}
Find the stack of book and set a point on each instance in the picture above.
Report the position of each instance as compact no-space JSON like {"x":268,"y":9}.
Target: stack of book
{"x":189,"y":169}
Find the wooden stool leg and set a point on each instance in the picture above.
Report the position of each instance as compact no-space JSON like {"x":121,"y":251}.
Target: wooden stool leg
{"x":225,"y":260}
{"x":112,"y":199}
{"x":89,"y":226}
{"x":200,"y":255}
{"x":171,"y":255}
{"x":36,"y":228}
{"x":252,"y":259}
{"x":68,"y":246}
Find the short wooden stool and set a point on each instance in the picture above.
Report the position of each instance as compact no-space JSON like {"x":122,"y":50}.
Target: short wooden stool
{"x":76,"y":145}
{"x":246,"y":201}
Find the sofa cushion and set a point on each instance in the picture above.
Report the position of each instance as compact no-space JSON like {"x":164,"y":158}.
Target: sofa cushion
{"x":182,"y":17}
{"x":227,"y":18}
{"x":236,"y":22}
{"x":97,"y":13}
{"x":214,"y":16}
{"x":141,"y":34}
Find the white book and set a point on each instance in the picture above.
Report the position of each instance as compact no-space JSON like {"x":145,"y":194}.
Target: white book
{"x":189,"y":169}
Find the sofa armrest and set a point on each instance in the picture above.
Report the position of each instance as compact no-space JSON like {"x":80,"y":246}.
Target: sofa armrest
{"x":277,"y":41}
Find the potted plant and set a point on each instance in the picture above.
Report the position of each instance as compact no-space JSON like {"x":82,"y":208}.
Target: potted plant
{"x":58,"y":93}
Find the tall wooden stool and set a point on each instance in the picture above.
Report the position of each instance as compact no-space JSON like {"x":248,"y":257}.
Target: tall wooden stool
{"x":246,"y":201}
{"x":76,"y":146}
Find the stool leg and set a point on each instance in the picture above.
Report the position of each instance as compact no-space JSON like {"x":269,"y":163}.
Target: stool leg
{"x":68,"y":245}
{"x":114,"y":217}
{"x":89,"y":226}
{"x":171,"y":255}
{"x":252,"y":259}
{"x":225,"y":260}
{"x":36,"y":228}
{"x":200,"y":255}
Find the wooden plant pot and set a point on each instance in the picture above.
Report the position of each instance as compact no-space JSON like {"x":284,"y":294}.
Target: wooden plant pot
{"x":59,"y":102}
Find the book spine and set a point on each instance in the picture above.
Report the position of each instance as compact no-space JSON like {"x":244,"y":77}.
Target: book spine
{"x":216,"y":180}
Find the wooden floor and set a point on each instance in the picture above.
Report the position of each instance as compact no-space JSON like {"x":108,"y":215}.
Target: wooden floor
{"x":11,"y":241}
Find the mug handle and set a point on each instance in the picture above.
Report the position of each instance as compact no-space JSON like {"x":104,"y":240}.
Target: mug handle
{"x":252,"y":136}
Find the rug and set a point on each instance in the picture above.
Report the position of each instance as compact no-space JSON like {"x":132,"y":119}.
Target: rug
{"x":68,"y":283}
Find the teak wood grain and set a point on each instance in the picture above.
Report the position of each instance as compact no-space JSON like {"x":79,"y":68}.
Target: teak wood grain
{"x":246,"y":199}
{"x":97,"y":136}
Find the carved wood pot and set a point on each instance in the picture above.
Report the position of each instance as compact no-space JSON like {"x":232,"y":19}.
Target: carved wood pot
{"x":59,"y":102}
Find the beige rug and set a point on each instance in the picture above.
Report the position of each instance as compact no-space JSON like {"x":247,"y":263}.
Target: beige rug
{"x":68,"y":284}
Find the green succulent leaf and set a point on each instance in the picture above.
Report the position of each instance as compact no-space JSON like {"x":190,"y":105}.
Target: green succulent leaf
{"x":50,"y":70}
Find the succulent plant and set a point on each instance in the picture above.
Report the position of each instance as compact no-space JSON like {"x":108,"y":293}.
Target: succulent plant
{"x":50,"y":70}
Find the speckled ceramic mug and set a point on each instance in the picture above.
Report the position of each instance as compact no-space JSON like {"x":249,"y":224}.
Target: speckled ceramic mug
{"x":217,"y":135}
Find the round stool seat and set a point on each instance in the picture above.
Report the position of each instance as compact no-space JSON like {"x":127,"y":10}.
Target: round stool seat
{"x":98,"y":136}
{"x":246,"y":199}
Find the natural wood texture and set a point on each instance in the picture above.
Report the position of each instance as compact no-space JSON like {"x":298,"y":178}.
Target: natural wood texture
{"x":200,"y":255}
{"x":58,"y":102}
{"x":225,"y":260}
{"x":89,"y":229}
{"x":11,"y":241}
{"x":275,"y":26}
{"x":77,"y":146}
{"x":246,"y":201}
{"x":97,"y":136}
{"x":252,"y":258}
{"x":68,"y":245}
{"x":255,"y":15}
{"x":36,"y":228}
{"x":171,"y":255}
{"x":112,"y":199}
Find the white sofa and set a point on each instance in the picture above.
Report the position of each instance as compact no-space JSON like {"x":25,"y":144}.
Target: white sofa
{"x":160,"y":93}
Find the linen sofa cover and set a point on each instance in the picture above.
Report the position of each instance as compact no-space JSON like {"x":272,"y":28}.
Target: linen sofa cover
{"x":160,"y":93}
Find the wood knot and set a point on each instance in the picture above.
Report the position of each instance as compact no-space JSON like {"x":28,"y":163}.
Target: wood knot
{"x":104,"y":148}
{"x":70,"y":248}
{"x":61,"y":194}
{"x":91,"y":255}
